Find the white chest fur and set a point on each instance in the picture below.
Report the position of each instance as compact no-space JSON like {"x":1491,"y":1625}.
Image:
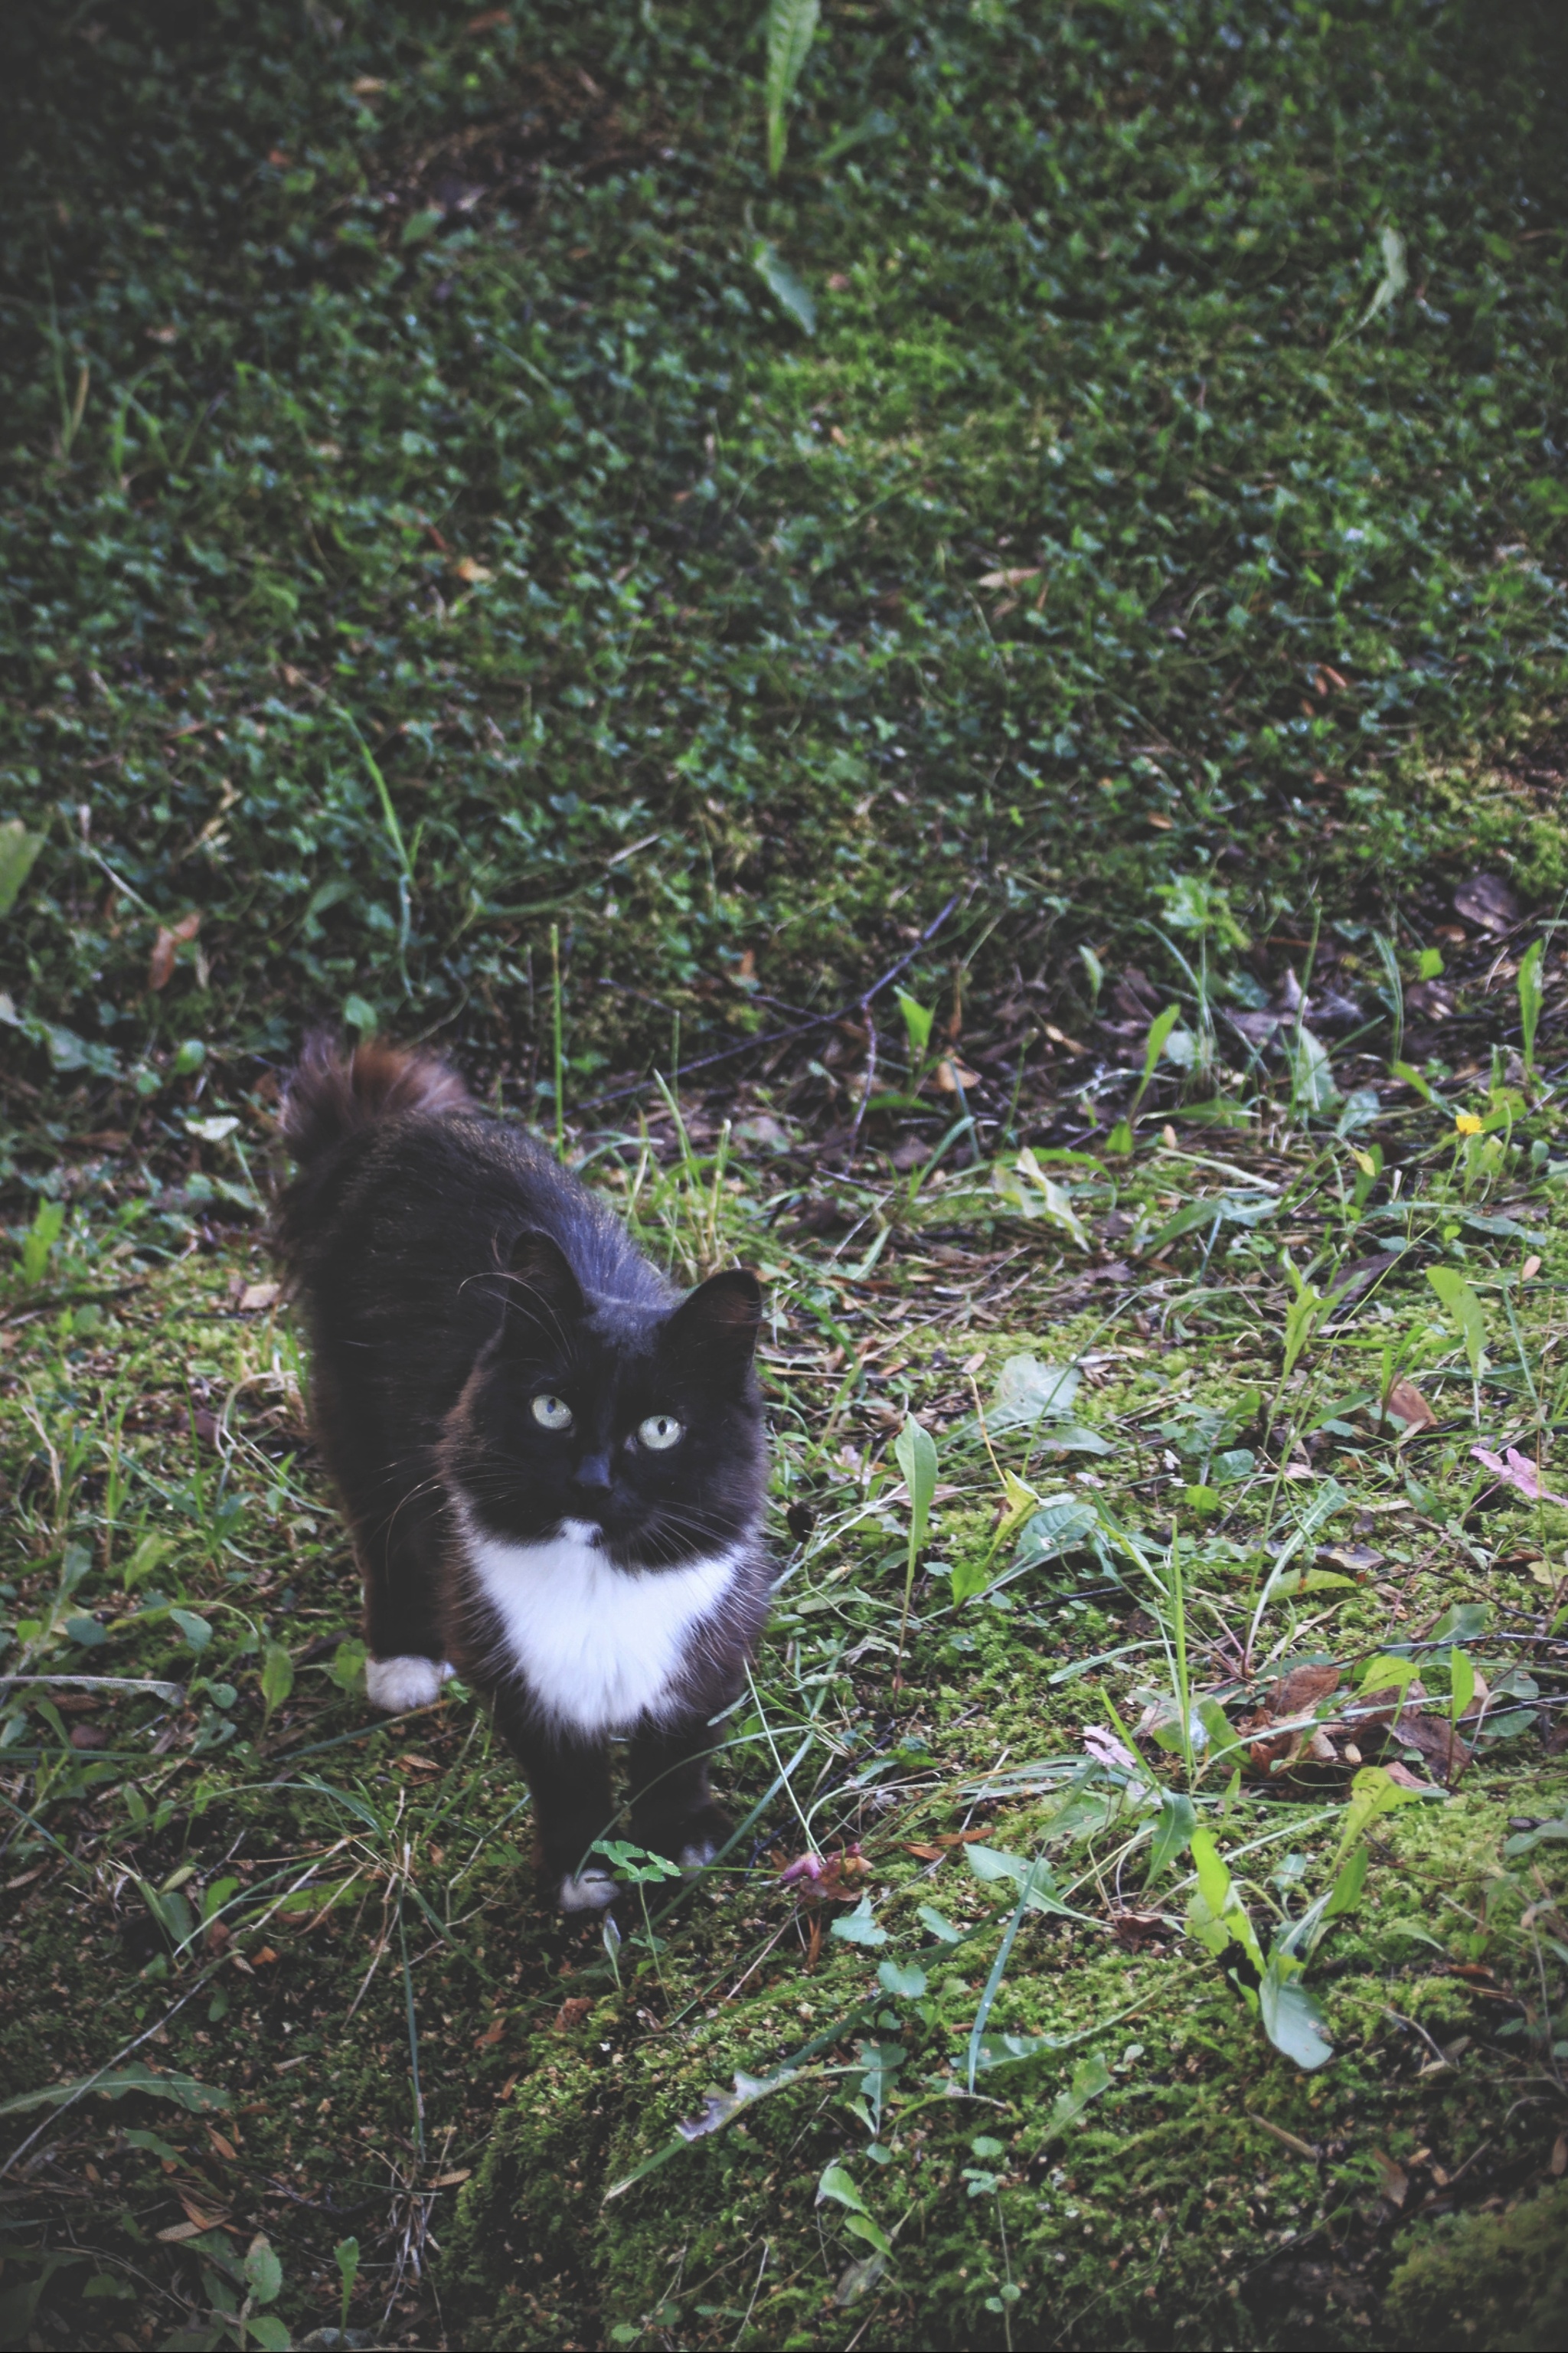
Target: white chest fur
{"x":601,"y":1648}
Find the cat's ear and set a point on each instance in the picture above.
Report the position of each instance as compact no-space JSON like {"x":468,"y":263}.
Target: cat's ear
{"x":714,"y":1329}
{"x":543,"y":1297}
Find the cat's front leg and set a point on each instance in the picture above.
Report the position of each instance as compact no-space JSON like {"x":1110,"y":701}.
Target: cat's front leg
{"x":673,"y":1811}
{"x":570,"y":1781}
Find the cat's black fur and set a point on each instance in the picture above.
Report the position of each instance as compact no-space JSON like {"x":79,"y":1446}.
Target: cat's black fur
{"x":450,"y":1272}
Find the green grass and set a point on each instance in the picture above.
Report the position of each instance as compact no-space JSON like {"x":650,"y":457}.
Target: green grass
{"x":417,"y":596}
{"x":390,"y":583}
{"x":1078,"y":2100}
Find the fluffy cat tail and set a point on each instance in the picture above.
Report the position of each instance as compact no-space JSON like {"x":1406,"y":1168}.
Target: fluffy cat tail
{"x":333,"y":1095}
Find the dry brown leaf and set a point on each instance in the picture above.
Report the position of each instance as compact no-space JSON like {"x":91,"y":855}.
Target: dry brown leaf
{"x":951,"y":1074}
{"x":572,"y":2012}
{"x":491,"y":2035}
{"x":161,"y":962}
{"x":1302,"y":1688}
{"x":1395,"y":2182}
{"x":1404,"y":1777}
{"x":474,"y":573}
{"x":1011,"y":579}
{"x":257,"y":1295}
{"x":1406,"y":1401}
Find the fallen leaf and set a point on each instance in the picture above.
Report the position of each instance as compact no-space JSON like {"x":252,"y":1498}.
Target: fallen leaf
{"x":1487,"y":900}
{"x":202,"y":2221}
{"x":450,"y":2181}
{"x":1560,"y":2156}
{"x":1302,"y":1689}
{"x":1136,"y":1928}
{"x":1404,"y":1777}
{"x":256,"y":1297}
{"x":951,"y":1075}
{"x":1013,"y":579}
{"x":265,"y":1957}
{"x":491,"y":2035}
{"x":1406,"y":1401}
{"x":1394,"y":2180}
{"x":366,"y":86}
{"x":1531,"y":1269}
{"x":160,"y":964}
{"x":223,"y":2146}
{"x":473,"y":573}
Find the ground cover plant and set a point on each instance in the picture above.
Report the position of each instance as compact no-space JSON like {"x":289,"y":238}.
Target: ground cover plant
{"x":1020,"y":553}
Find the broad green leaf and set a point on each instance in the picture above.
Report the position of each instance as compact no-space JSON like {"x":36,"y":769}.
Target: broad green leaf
{"x":1411,"y":1077}
{"x":199,"y":2099}
{"x":197,"y":1630}
{"x":1059,"y":1527}
{"x":267,"y":2330}
{"x":1160,"y":1030}
{"x":918,"y":1018}
{"x":914,"y":1450}
{"x":1034,"y":1880}
{"x":838,"y":2185}
{"x":1291,"y":2019}
{"x":905,"y":1980}
{"x":792,"y":27}
{"x":1173,"y":1829}
{"x":1076,"y":1438}
{"x":1463,"y":1621}
{"x":1186,"y":1221}
{"x":1026,"y":1391}
{"x":859,"y":1927}
{"x":1054,"y":1201}
{"x":1461,"y":1684}
{"x":263,"y":2272}
{"x":18,"y":847}
{"x":969,"y":1577}
{"x":783,"y":285}
{"x":1312,"y":1085}
{"x":939,"y":1924}
{"x":39,"y":1242}
{"x":1372,"y":1793}
{"x":1387,"y":1674}
{"x":1462,"y":1309}
{"x":1224,"y":1906}
{"x":866,"y":2227}
{"x":277,"y":1676}
{"x":1346,"y":1893}
{"x":1090,"y":2077}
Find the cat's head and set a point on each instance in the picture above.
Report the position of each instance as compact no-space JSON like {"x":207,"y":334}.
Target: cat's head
{"x":641,"y":1421}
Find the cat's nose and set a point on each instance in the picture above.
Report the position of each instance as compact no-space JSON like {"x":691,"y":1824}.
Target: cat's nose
{"x":591,"y":1476}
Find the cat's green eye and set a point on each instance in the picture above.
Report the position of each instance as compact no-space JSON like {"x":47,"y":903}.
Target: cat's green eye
{"x":552,"y":1412}
{"x":659,"y":1430}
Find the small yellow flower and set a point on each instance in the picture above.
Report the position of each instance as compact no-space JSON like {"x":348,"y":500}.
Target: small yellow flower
{"x":1467,"y":1123}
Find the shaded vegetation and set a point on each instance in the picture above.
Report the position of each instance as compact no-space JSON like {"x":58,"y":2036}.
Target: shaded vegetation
{"x":422,"y":518}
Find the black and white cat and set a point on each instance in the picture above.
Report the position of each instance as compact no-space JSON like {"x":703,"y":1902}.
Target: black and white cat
{"x":551,"y":1463}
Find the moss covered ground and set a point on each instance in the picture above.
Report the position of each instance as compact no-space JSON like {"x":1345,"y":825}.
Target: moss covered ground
{"x":492,"y":563}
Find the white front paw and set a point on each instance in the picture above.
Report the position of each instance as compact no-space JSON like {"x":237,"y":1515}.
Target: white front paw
{"x":587,"y":1891}
{"x":398,"y":1683}
{"x":698,"y":1856}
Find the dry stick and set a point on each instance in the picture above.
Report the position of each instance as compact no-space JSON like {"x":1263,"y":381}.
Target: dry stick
{"x":802,"y":1029}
